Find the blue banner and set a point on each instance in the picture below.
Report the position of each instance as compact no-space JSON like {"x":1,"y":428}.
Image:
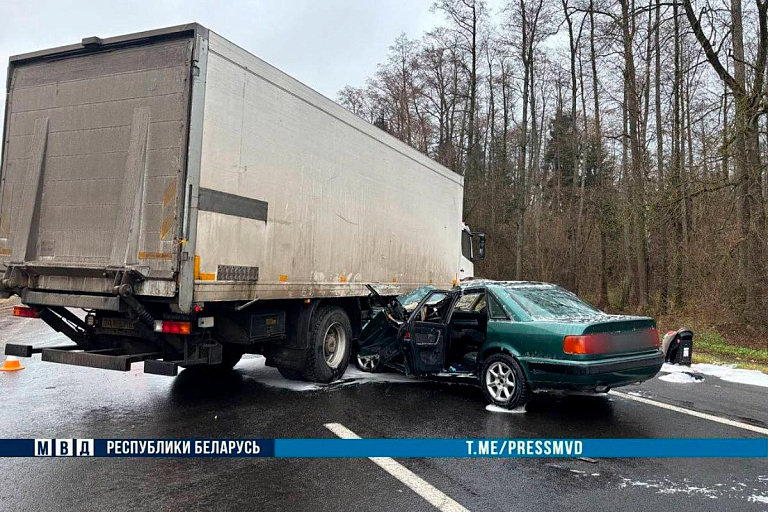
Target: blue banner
{"x":529,"y":448}
{"x":396,"y":448}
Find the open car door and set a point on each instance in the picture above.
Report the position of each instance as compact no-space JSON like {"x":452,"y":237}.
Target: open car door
{"x":425,"y":337}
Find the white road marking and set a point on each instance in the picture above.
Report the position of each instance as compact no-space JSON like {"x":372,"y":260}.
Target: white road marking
{"x":718,"y":419}
{"x":418,"y":485}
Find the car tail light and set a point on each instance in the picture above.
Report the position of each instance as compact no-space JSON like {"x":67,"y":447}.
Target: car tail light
{"x":654,"y":340}
{"x":25,"y":312}
{"x":604,"y":343}
{"x":172,"y":327}
{"x":585,"y":344}
{"x":407,"y":336}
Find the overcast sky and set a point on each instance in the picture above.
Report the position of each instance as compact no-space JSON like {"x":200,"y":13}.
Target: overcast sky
{"x":326,"y":44}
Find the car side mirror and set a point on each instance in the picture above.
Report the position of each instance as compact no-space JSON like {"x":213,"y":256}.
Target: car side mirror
{"x":481,"y":246}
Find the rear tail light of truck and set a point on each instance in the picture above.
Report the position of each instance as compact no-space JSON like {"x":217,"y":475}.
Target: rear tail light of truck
{"x":25,"y":312}
{"x":604,"y":343}
{"x":173,"y":327}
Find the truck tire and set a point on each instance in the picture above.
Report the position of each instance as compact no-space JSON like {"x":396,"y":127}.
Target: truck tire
{"x":503,"y":382}
{"x":290,"y":374}
{"x":330,"y":344}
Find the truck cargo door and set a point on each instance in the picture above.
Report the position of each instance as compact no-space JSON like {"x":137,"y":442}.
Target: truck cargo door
{"x":94,"y":159}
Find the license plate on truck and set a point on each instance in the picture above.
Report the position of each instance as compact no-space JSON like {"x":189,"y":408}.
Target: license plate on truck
{"x":116,"y":323}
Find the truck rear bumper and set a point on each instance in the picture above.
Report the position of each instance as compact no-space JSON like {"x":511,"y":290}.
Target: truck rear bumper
{"x":71,"y":300}
{"x":103,"y":359}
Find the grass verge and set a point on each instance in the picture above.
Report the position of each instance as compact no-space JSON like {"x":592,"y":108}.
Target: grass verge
{"x":710,"y":341}
{"x":709,"y":346}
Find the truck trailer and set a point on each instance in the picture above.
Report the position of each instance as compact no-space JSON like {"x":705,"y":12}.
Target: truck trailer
{"x":196,"y":203}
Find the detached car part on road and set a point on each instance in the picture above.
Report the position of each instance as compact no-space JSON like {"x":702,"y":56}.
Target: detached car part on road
{"x":513,"y":338}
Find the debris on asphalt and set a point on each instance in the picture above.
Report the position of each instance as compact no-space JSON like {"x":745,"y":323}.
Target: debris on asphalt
{"x":668,"y":486}
{"x":724,"y":372}
{"x":681,"y":377}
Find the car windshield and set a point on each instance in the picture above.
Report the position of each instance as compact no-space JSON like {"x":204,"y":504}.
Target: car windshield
{"x":411,"y":300}
{"x":555,"y":302}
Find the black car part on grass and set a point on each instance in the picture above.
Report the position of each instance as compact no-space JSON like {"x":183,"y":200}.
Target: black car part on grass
{"x":678,"y":346}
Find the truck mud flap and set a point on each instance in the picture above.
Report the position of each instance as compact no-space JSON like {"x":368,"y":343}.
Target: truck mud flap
{"x":102,"y":359}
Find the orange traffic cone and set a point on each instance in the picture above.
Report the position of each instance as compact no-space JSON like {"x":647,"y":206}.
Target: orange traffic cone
{"x":11,"y":364}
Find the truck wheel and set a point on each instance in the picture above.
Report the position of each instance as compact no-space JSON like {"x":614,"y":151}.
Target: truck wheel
{"x":330,"y":343}
{"x":503,"y":382}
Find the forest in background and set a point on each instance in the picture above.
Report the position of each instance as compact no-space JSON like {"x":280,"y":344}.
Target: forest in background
{"x":615,"y":147}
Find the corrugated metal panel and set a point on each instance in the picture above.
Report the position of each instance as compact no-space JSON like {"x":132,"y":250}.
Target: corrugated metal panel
{"x":347,"y":203}
{"x":95,"y":104}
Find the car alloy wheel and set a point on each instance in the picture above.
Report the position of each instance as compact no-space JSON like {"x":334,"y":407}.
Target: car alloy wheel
{"x":503,"y":382}
{"x":368,"y":363}
{"x":500,"y":381}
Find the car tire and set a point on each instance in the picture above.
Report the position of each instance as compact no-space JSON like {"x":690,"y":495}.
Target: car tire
{"x":290,"y":374}
{"x":503,"y":382}
{"x":330,"y":345}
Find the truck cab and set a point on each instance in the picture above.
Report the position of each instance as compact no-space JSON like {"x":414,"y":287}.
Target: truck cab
{"x":468,"y":255}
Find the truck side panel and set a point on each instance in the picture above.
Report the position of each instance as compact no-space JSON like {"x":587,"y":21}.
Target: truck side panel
{"x":111,"y":175}
{"x":316,"y":199}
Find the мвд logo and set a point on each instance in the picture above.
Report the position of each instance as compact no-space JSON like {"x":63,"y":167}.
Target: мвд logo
{"x":64,"y":447}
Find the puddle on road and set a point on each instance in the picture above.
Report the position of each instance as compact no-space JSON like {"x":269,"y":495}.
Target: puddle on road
{"x":496,"y":408}
{"x":256,"y":369}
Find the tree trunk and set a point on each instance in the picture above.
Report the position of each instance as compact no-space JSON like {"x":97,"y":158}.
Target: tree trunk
{"x":636,"y":151}
{"x":663,"y":273}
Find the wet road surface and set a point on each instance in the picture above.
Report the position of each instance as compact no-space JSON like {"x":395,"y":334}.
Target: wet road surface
{"x":50,"y":401}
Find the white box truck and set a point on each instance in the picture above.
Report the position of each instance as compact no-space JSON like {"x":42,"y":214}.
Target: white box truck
{"x":198,"y":204}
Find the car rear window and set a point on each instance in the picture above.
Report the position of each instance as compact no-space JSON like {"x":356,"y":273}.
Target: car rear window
{"x":547,"y":303}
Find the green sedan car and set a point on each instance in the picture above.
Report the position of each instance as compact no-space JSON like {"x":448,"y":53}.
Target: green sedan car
{"x":512,"y":338}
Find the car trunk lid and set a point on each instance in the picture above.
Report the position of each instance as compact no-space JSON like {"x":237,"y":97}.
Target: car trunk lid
{"x":611,"y":336}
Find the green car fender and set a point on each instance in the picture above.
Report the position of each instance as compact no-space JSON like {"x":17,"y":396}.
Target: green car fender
{"x":498,"y":345}
{"x":524,"y":340}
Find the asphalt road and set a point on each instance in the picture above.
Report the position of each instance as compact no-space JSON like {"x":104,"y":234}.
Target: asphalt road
{"x":50,"y":401}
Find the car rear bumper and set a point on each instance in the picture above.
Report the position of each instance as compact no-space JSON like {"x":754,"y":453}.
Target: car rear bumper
{"x":586,"y":375}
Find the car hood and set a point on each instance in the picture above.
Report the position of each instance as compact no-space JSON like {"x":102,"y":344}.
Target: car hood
{"x":379,"y":337}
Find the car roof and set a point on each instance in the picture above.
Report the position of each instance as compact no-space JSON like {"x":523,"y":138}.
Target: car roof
{"x":480,"y":283}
